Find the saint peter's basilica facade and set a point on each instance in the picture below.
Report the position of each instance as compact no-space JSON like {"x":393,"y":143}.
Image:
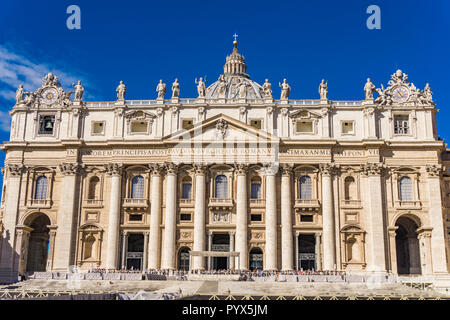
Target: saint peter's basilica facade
{"x":231,"y":179}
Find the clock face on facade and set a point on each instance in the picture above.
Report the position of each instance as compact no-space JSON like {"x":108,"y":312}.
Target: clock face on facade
{"x":400,"y":94}
{"x":49,"y":95}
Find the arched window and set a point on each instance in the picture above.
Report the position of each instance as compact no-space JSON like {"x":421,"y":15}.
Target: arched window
{"x":406,"y":193}
{"x":94,"y":188}
{"x":41,"y":188}
{"x":137,"y":187}
{"x":221,"y":190}
{"x":186,"y":188}
{"x":305,"y":187}
{"x":256,"y":188}
{"x":350,"y":188}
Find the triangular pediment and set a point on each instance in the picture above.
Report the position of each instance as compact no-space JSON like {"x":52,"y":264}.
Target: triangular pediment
{"x":224,"y":129}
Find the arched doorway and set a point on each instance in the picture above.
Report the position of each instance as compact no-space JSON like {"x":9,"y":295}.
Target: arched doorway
{"x":407,"y":247}
{"x":183,"y":259}
{"x":38,"y":245}
{"x":256,"y":259}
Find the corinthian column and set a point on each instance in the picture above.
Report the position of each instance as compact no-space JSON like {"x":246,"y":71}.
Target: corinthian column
{"x":155,"y":218}
{"x":286,"y":219}
{"x":376,"y":259}
{"x":112,"y":245}
{"x":199,"y":216}
{"x":438,"y":254}
{"x":241,"y":216}
{"x":271,"y":218}
{"x":170,"y":224}
{"x":329,"y":258}
{"x":66,"y":217}
{"x":8,"y":270}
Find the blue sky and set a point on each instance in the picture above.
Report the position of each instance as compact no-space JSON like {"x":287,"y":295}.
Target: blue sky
{"x":141,"y":42}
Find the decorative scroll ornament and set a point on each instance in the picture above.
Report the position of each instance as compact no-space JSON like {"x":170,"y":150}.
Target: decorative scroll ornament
{"x":328,"y":169}
{"x":434,"y":170}
{"x":114,"y":168}
{"x":156,"y":169}
{"x":69,"y":168}
{"x":200,"y":169}
{"x":372,"y":169}
{"x":269,"y":168}
{"x":171,"y":168}
{"x":241,"y":169}
{"x":221,"y":128}
{"x":15,"y":169}
{"x":401,"y":91}
{"x":286,"y":169}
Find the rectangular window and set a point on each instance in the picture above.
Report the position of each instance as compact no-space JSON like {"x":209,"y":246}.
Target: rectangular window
{"x":187,"y":124}
{"x":304,"y":126}
{"x":46,"y":124}
{"x":347,"y":127}
{"x":256,"y":217}
{"x":139,"y":127}
{"x":135,"y":217}
{"x":185,"y":217}
{"x":98,"y":128}
{"x":401,"y":124}
{"x":306,"y":218}
{"x":256,"y":124}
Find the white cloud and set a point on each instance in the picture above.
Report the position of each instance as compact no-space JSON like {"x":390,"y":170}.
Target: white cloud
{"x":17,"y":69}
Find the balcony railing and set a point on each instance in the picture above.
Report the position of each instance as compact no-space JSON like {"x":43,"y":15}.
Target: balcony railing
{"x":186,"y":202}
{"x":93,"y":203}
{"x":307,"y":204}
{"x":349,"y":203}
{"x":413,"y":204}
{"x":135,"y":203}
{"x":35,"y":203}
{"x":219,"y":202}
{"x":257,"y":202}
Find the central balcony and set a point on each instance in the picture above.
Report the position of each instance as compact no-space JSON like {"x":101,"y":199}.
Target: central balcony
{"x":186,"y":203}
{"x":34,"y":203}
{"x":399,"y":204}
{"x":134,"y":203}
{"x":93,"y":203}
{"x":307,"y":204}
{"x":220,"y":203}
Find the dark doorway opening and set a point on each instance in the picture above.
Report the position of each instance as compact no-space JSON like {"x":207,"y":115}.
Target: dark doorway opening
{"x":135,"y":251}
{"x":183,"y":259}
{"x":220,"y":243}
{"x":407,"y":247}
{"x":38,"y":245}
{"x":256,"y":259}
{"x":307,"y":251}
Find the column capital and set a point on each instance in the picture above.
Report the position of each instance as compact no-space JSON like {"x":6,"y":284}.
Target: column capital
{"x":286,"y":169}
{"x":15,"y":170}
{"x":434,"y":170}
{"x":171,"y":168}
{"x":210,"y":233}
{"x":69,"y":168}
{"x":200,"y":169}
{"x":328,"y":169}
{"x":269,"y":169}
{"x":231,"y":233}
{"x":373,"y":169}
{"x":114,"y":169}
{"x":241,"y":169}
{"x":156,"y":169}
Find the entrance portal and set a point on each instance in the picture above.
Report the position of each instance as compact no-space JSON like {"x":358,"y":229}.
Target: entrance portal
{"x":307,"y":251}
{"x":38,"y":245}
{"x":256,"y":259}
{"x":135,"y":251}
{"x":221,"y":243}
{"x":183,"y":259}
{"x":407,"y":247}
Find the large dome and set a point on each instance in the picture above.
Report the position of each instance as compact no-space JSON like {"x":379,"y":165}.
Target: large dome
{"x":234,"y":82}
{"x":233,"y":87}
